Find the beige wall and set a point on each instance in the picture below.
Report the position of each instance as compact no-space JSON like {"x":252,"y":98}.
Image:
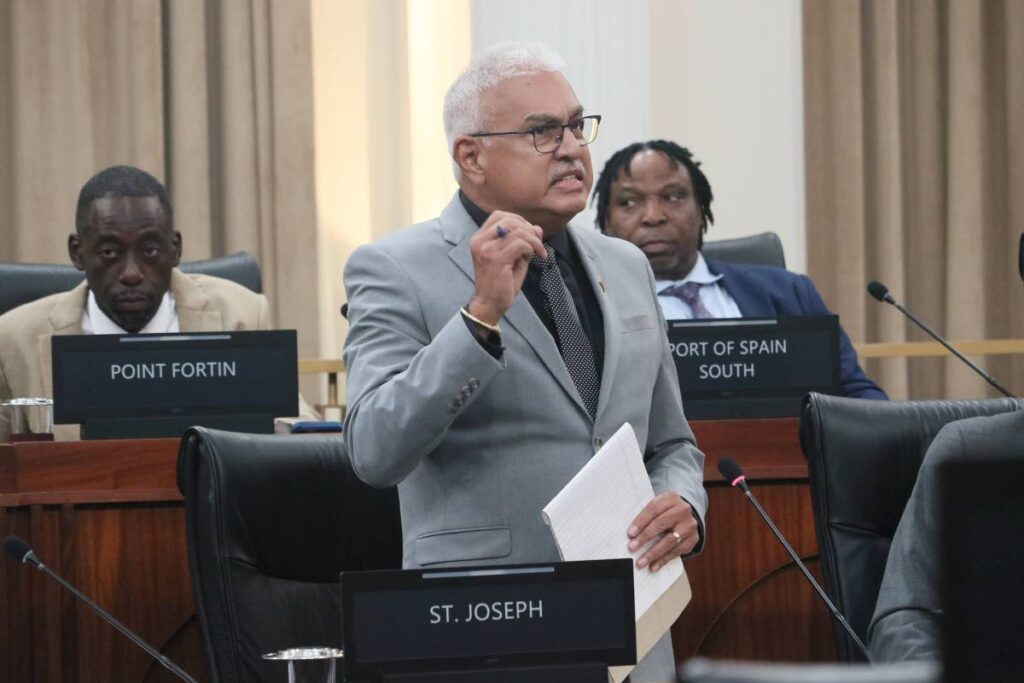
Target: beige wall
{"x":727,"y":82}
{"x":381,"y":68}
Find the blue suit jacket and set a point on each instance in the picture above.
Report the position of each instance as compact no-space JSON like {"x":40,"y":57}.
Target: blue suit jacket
{"x":766,"y":292}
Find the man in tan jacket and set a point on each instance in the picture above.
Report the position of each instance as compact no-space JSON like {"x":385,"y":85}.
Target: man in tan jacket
{"x":125,"y":243}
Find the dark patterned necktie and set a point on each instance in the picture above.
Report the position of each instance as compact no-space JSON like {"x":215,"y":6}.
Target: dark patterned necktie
{"x":689,"y":292}
{"x":577,"y":351}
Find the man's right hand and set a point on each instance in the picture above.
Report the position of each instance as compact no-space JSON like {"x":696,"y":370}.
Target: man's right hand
{"x":501,"y":249}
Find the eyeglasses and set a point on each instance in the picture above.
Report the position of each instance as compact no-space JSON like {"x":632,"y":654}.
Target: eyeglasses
{"x":547,"y":138}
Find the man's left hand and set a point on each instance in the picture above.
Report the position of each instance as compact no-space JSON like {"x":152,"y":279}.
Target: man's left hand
{"x":670,"y":519}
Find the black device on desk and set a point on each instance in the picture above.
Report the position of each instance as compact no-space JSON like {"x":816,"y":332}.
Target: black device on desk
{"x":151,"y":385}
{"x":754,"y":367}
{"x":563,"y":622}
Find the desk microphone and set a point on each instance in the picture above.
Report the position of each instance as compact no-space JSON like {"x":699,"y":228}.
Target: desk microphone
{"x":732,"y":473}
{"x":881,"y":293}
{"x":20,"y":551}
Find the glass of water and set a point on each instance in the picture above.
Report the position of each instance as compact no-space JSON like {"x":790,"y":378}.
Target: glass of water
{"x":22,"y":414}
{"x":309,"y":664}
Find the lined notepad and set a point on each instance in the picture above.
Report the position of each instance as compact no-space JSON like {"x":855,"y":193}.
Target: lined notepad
{"x":590,"y":516}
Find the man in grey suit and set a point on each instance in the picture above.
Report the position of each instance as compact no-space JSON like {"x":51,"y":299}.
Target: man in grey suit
{"x":907,"y":624}
{"x":494,"y":348}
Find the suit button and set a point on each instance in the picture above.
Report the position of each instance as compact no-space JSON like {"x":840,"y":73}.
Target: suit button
{"x":455,"y":405}
{"x":598,"y":443}
{"x":473,"y":384}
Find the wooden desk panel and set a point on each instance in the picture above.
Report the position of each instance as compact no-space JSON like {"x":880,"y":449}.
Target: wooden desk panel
{"x":107,"y":516}
{"x":750,"y":600}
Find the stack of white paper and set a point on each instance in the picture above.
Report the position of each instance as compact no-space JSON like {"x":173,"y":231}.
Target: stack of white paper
{"x":589,"y":519}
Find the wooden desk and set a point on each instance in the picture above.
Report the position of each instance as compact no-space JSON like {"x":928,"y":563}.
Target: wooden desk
{"x":750,"y":601}
{"x":108,"y":517}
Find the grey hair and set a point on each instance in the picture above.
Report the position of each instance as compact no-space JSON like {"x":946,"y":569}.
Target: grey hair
{"x":494,"y":65}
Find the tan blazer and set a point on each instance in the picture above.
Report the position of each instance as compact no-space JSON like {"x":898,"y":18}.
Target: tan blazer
{"x":203,"y":303}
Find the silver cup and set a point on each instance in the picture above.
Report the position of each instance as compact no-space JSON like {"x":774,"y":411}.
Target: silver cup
{"x":309,"y":664}
{"x":18,"y":411}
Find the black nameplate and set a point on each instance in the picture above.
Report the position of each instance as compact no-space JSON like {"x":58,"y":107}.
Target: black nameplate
{"x":740,"y":368}
{"x":158,"y":385}
{"x":488,"y":618}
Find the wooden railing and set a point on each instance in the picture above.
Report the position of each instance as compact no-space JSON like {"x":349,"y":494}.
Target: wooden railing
{"x":333,"y":367}
{"x":978,"y":347}
{"x":334,"y":409}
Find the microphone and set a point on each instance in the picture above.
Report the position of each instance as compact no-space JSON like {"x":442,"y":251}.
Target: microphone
{"x":881,"y":293}
{"x":20,"y":551}
{"x":732,"y":473}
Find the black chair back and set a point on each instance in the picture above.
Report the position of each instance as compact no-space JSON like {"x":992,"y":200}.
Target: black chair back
{"x":21,"y":283}
{"x":270,"y":522}
{"x":863,"y":458}
{"x":762,"y":249}
{"x":239,"y":267}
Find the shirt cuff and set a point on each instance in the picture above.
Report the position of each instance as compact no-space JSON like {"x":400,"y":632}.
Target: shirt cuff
{"x":700,"y":532}
{"x":491,"y":343}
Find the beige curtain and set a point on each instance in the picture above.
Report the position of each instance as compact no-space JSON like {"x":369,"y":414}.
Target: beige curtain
{"x":213,"y":97}
{"x":915,"y":176}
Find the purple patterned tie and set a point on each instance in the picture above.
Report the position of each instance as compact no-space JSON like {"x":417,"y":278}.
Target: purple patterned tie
{"x":689,"y":292}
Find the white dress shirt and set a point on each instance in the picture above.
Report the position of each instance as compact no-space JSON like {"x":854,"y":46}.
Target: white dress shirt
{"x":164,"y":321}
{"x":712,"y":295}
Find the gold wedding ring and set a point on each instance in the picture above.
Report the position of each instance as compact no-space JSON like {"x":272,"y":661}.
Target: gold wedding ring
{"x":675,"y":535}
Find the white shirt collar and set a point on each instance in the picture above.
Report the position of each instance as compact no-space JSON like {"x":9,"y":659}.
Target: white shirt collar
{"x":699,"y":273}
{"x":164,"y":321}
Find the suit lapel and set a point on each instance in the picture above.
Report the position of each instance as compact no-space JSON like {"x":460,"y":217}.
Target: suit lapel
{"x":65,"y":318}
{"x":523,"y":319}
{"x":192,"y":306}
{"x":609,"y":313}
{"x":752,"y":301}
{"x":457,"y":228}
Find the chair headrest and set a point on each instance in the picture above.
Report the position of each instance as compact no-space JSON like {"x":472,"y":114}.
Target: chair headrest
{"x":762,"y":249}
{"x":21,"y":283}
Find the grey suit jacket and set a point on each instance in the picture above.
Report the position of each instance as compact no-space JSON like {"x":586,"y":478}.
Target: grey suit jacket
{"x":907,"y":621}
{"x":477,"y":445}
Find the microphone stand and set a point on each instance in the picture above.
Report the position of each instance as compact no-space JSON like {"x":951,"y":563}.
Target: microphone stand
{"x":984,"y":375}
{"x":881,"y":293}
{"x":30,"y":558}
{"x":732,"y":473}
{"x":836,"y":614}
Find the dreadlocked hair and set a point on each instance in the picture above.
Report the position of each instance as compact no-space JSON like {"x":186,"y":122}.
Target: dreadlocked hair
{"x":619,"y":163}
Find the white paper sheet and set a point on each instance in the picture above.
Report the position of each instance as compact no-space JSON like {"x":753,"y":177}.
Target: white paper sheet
{"x":590,"y":516}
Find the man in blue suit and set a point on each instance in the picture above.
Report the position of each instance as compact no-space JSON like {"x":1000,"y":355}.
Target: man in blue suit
{"x":654,"y":195}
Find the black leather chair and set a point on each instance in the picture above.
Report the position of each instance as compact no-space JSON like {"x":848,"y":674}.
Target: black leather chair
{"x":24,"y":282}
{"x":705,"y":671}
{"x":863,"y":458}
{"x":270,"y":522}
{"x":762,"y":249}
